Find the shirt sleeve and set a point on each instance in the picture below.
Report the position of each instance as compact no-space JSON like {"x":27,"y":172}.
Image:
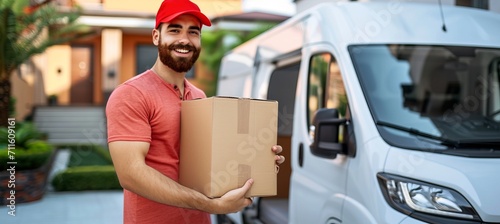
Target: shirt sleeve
{"x":127,"y":115}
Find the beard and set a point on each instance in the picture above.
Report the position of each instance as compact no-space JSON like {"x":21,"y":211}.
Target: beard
{"x":180,"y":64}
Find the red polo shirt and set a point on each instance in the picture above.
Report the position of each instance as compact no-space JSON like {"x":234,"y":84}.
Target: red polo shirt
{"x":146,"y":108}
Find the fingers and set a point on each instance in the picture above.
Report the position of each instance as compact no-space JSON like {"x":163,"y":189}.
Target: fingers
{"x":279,"y":159}
{"x":251,"y":200}
{"x":248,"y":201}
{"x":277,"y":149}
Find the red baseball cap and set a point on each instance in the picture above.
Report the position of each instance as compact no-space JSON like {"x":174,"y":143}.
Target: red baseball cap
{"x":170,"y":9}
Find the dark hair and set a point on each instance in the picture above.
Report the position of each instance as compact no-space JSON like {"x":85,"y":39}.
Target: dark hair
{"x":159,"y":27}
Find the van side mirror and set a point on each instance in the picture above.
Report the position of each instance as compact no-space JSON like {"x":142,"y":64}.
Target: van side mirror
{"x":326,"y":133}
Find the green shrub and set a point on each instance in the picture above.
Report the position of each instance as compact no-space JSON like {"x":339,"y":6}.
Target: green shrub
{"x":83,"y":178}
{"x":36,"y":154}
{"x":24,"y":132}
{"x":30,"y":150}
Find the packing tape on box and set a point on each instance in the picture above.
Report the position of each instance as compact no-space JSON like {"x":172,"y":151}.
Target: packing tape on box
{"x":244,"y":173}
{"x":243,"y":116}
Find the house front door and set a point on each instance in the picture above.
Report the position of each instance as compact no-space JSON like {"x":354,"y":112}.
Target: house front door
{"x":82,"y":90}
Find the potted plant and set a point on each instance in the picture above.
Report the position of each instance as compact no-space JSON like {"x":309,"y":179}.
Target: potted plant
{"x":52,"y":100}
{"x":25,"y":162}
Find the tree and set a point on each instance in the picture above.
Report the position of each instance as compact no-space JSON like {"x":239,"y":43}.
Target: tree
{"x":27,"y":30}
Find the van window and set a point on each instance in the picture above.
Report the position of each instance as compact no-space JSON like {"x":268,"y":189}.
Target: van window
{"x":318,"y":69}
{"x":325,"y":87}
{"x":282,"y":87}
{"x":447,"y":95}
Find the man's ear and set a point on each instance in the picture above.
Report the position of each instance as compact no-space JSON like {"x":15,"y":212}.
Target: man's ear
{"x":156,"y":36}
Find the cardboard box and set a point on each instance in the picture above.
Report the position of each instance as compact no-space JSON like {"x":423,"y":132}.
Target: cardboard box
{"x":225,"y":141}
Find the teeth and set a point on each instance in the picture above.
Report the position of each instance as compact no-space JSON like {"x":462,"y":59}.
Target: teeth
{"x":182,"y":51}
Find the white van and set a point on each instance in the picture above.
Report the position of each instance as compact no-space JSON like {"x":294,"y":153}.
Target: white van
{"x":388,"y":113}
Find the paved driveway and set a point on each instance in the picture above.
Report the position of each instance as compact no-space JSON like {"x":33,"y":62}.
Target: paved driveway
{"x":96,"y":207}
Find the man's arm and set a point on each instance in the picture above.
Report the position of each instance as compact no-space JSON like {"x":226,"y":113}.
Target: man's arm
{"x":136,"y":176}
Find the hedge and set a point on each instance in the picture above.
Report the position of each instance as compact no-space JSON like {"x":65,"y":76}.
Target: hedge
{"x":81,"y":178}
{"x":36,"y":155}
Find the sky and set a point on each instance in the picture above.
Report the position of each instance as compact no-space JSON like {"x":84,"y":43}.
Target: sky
{"x":282,"y":7}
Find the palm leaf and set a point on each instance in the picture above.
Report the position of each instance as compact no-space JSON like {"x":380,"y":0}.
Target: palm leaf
{"x":25,"y":34}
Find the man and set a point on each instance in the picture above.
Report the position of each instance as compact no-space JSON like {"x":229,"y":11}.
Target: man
{"x":144,"y":127}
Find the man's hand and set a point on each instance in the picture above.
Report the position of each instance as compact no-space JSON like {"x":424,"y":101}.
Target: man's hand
{"x":234,"y":200}
{"x":279,"y":158}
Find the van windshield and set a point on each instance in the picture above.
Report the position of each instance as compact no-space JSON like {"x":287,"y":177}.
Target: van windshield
{"x":432,"y":97}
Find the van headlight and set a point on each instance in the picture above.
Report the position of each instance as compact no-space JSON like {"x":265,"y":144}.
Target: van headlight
{"x":424,"y":201}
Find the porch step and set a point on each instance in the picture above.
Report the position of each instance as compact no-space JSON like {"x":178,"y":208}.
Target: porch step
{"x":72,"y":124}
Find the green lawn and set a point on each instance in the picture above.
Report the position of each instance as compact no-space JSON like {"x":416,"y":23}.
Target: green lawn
{"x":89,"y":155}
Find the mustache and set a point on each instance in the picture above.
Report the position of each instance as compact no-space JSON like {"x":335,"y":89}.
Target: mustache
{"x":182,"y":47}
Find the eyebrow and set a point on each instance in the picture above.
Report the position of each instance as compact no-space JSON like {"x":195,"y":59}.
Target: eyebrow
{"x":179,"y":26}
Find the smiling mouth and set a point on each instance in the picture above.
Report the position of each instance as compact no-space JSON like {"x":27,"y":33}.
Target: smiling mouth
{"x":183,"y":51}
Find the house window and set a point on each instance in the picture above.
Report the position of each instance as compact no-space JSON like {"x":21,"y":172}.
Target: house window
{"x":145,"y":57}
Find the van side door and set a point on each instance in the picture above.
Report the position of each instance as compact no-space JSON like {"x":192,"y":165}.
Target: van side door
{"x":318,"y":184}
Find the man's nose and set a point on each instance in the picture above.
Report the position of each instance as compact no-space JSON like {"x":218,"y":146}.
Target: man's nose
{"x":184,"y":38}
